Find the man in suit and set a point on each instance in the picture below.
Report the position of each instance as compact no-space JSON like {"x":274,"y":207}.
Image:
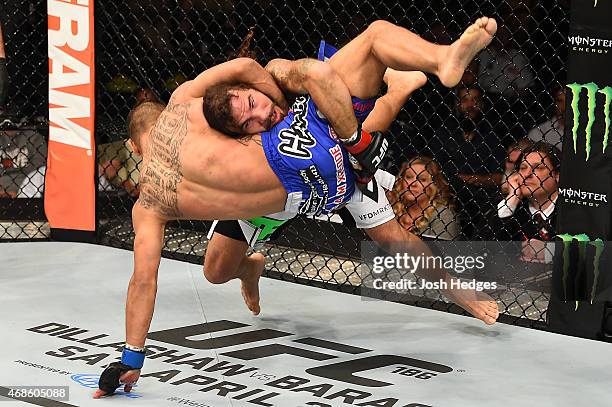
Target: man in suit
{"x":528,"y":211}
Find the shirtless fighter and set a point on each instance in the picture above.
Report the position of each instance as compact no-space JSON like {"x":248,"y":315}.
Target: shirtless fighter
{"x":191,"y":171}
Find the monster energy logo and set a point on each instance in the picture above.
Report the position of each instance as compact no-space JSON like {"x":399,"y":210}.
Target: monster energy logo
{"x":583,"y":241}
{"x":592,"y":90}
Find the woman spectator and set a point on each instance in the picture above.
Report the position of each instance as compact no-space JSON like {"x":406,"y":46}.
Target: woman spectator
{"x":421,"y":200}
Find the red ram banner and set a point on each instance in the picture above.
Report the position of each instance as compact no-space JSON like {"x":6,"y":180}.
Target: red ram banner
{"x":70,"y":187}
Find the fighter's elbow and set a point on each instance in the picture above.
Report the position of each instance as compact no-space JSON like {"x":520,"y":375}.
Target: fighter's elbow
{"x":245,"y":65}
{"x":317,"y":75}
{"x":317,"y":70}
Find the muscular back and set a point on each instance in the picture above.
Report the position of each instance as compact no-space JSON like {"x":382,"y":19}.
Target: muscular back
{"x":192,"y":171}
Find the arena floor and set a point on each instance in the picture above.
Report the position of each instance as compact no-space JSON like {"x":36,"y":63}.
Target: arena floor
{"x":62,"y":318}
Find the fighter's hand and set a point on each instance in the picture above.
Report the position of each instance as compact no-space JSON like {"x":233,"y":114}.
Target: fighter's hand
{"x":115,"y":375}
{"x":369,"y":153}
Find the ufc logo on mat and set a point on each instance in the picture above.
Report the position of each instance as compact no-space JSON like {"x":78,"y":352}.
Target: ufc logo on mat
{"x":341,"y":369}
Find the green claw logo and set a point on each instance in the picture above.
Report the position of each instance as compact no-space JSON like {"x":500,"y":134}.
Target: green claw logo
{"x":592,"y":90}
{"x":583,"y":240}
{"x":267,"y":225}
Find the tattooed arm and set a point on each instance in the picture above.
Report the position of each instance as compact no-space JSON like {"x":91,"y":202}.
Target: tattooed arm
{"x":162,"y":173}
{"x":327,"y":89}
{"x":240,"y":70}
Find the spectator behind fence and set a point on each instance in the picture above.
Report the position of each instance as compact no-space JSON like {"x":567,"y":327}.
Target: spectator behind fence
{"x":421,"y":200}
{"x":551,"y":131}
{"x":33,"y":185}
{"x":506,"y":77}
{"x":22,"y":150}
{"x":528,"y":212}
{"x":467,"y":147}
{"x":471,"y":147}
{"x":500,"y":179}
{"x":504,"y":68}
{"x":514,"y":152}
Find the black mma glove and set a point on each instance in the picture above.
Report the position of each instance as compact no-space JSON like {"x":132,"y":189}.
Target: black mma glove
{"x":369,"y":151}
{"x":109,"y":380}
{"x":130,"y":360}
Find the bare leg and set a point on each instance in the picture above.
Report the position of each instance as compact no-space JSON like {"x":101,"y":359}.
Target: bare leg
{"x":225,"y":260}
{"x":362,"y":62}
{"x":400,"y":85}
{"x":391,"y":235}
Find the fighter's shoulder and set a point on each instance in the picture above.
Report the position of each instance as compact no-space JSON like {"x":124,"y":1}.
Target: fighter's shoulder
{"x":180,"y":94}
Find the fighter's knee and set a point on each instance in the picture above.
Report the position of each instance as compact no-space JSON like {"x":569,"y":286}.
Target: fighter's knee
{"x":319,"y":71}
{"x":378,"y":27}
{"x":214,"y":274}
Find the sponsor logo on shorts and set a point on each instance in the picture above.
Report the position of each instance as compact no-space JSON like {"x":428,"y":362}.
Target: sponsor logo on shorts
{"x":363,"y":106}
{"x":297,"y":140}
{"x":373,"y":214}
{"x":338,"y":156}
{"x":319,"y":192}
{"x":332,"y":134}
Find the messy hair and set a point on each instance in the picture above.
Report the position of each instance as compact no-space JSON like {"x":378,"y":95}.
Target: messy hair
{"x":441,"y":192}
{"x":548,"y":150}
{"x":218,"y":108}
{"x":245,"y":50}
{"x":217,"y":102}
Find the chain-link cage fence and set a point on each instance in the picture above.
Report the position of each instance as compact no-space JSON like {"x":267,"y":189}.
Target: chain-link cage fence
{"x":455,"y":152}
{"x":23,"y":119}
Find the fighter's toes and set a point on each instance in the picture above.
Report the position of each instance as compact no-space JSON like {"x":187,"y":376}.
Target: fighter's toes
{"x":489,"y":24}
{"x":492,"y":312}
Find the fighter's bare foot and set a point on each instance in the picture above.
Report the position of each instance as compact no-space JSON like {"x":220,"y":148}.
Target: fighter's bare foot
{"x":249,"y":284}
{"x":477,"y":303}
{"x":404,"y":81}
{"x":461,"y":52}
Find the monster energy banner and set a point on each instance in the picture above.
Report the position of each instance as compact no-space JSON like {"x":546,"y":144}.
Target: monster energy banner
{"x":582,"y":275}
